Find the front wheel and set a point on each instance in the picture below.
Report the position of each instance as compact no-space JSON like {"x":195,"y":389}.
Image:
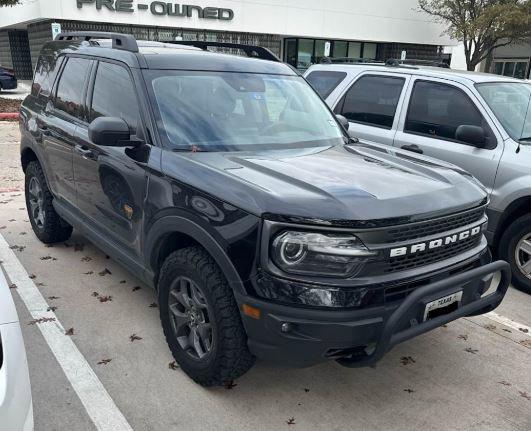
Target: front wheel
{"x":200,"y":318}
{"x":515,"y":248}
{"x":48,"y":226}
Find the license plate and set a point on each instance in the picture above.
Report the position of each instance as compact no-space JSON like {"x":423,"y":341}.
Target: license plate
{"x":443,"y":305}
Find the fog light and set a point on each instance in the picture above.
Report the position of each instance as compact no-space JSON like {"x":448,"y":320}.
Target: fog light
{"x":286,"y":327}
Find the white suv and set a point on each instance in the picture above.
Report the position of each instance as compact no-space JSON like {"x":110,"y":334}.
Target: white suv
{"x":478,"y":121}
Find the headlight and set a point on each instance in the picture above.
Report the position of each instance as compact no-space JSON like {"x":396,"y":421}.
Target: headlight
{"x":309,"y":253}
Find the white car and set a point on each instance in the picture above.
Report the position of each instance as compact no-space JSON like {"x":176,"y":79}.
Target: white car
{"x":16,"y":407}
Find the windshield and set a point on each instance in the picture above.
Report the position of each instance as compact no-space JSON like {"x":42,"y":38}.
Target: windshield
{"x":226,"y":111}
{"x":511,"y":103}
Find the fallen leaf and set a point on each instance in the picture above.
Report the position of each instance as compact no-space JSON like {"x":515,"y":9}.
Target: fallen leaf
{"x":409,"y":391}
{"x":525,"y":343}
{"x":18,"y":247}
{"x":23,"y":233}
{"x":86,"y":259}
{"x":525,"y":395}
{"x":104,"y":361}
{"x":504,"y":383}
{"x":79,"y":246}
{"x":122,"y":282}
{"x":40,"y":284}
{"x":105,"y":298}
{"x":291,"y":421}
{"x":153,"y":305}
{"x":52,"y":308}
{"x":173,"y":366}
{"x":230,"y":384}
{"x":48,"y":258}
{"x":42,"y":320}
{"x":12,"y":286}
{"x":104,"y":272}
{"x":524,"y":330}
{"x":88,"y":273}
{"x":51,"y":298}
{"x":490,"y":327}
{"x":11,"y":220}
{"x":306,"y":390}
{"x":95,"y":294}
{"x":134,"y":289}
{"x":507,"y":330}
{"x":471,"y":350}
{"x":69,"y":331}
{"x":134,"y":337}
{"x":463,"y":337}
{"x":32,"y":276}
{"x":406,"y":360}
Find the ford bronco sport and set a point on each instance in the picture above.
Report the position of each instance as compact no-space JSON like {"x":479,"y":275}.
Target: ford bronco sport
{"x":228,"y":185}
{"x":478,"y":121}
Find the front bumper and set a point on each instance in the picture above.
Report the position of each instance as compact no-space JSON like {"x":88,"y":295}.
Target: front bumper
{"x":302,"y":337}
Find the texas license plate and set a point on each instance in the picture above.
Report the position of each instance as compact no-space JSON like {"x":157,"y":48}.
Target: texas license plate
{"x":443,"y":305}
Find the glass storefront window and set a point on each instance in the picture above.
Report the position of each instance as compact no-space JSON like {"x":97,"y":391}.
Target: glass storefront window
{"x":305,"y":54}
{"x":354,"y":49}
{"x":508,"y":70}
{"x":291,"y":52}
{"x":340,"y":48}
{"x":519,"y":70}
{"x":319,"y":51}
{"x":369,"y":50}
{"x":498,"y":68}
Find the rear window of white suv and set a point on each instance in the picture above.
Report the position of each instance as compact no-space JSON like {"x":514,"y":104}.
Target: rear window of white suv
{"x":325,"y":82}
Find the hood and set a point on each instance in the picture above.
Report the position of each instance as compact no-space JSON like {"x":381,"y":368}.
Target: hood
{"x":353,"y":182}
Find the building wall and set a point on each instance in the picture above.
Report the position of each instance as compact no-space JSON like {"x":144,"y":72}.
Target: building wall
{"x":396,"y":21}
{"x":5,"y":50}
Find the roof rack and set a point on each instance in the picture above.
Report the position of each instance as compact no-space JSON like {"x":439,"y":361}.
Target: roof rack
{"x":346,"y":60}
{"x":415,"y":62}
{"x":251,"y":50}
{"x":124,"y":42}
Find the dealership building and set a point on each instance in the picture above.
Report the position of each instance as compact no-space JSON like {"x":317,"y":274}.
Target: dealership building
{"x":301,"y":32}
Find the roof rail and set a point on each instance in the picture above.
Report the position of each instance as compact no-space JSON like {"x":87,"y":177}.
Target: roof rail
{"x":124,"y":42}
{"x":250,"y":50}
{"x":346,"y":60}
{"x":415,"y":62}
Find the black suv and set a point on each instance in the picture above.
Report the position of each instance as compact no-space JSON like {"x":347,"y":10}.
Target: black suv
{"x":227,"y":184}
{"x":8,"y":80}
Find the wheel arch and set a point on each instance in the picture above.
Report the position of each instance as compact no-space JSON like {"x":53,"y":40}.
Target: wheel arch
{"x":173,"y":232}
{"x":27,"y":155}
{"x":516,"y":209}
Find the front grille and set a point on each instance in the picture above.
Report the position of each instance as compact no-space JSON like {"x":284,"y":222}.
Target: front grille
{"x":426,"y":257}
{"x":433,"y":227}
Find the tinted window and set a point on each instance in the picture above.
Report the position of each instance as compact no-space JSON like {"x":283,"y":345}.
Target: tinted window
{"x":372,"y":100}
{"x":71,"y":85}
{"x":44,"y":75}
{"x":325,"y":82}
{"x":438,"y":110}
{"x":114,"y":95}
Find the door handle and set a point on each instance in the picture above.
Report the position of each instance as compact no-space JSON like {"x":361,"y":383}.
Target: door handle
{"x":413,"y":148}
{"x":85,"y":152}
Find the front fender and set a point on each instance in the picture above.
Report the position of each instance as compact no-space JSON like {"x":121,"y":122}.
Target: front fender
{"x":207,"y":237}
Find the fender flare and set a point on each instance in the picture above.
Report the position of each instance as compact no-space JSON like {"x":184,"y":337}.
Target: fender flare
{"x":210,"y":241}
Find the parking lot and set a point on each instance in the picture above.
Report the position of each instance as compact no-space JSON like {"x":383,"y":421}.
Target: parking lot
{"x":471,"y":374}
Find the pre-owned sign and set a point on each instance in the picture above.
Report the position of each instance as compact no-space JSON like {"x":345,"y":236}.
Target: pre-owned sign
{"x":161,"y":8}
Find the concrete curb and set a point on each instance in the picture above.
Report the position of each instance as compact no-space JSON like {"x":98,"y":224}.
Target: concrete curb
{"x":9,"y":115}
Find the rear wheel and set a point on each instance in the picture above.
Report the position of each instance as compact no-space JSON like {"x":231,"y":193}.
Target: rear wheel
{"x":200,"y":318}
{"x":48,"y":226}
{"x":515,"y":248}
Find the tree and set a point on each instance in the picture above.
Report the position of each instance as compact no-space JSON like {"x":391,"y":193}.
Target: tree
{"x":482,"y":25}
{"x":9,"y":2}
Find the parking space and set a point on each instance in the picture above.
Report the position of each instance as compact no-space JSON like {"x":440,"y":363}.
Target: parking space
{"x":471,"y":374}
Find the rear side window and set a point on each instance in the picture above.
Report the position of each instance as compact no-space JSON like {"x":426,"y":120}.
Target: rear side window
{"x":69,"y":96}
{"x":114,"y":95}
{"x":325,"y":82}
{"x":373,"y":100}
{"x":45,"y":71}
{"x":437,"y":110}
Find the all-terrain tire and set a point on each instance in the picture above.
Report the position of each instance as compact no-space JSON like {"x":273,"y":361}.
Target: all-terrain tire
{"x":53,"y":228}
{"x":517,"y":230}
{"x":230,"y":357}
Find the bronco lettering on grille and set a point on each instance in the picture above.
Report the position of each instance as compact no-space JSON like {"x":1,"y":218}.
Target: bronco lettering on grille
{"x":436,"y":243}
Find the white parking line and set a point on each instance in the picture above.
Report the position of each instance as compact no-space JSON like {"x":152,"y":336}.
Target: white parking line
{"x":97,"y":402}
{"x":502,"y":320}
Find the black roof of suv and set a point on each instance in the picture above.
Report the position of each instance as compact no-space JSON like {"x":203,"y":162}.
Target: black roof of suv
{"x":228,"y":185}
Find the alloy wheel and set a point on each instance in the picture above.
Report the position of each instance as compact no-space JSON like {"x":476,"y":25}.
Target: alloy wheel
{"x":523,"y":255}
{"x":190,"y":318}
{"x":36,"y":202}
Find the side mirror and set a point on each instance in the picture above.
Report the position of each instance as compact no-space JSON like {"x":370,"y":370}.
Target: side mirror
{"x":110,"y":132}
{"x":473,"y":135}
{"x":343,"y":121}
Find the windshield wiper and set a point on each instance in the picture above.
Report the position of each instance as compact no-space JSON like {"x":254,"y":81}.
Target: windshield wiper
{"x":526,"y":139}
